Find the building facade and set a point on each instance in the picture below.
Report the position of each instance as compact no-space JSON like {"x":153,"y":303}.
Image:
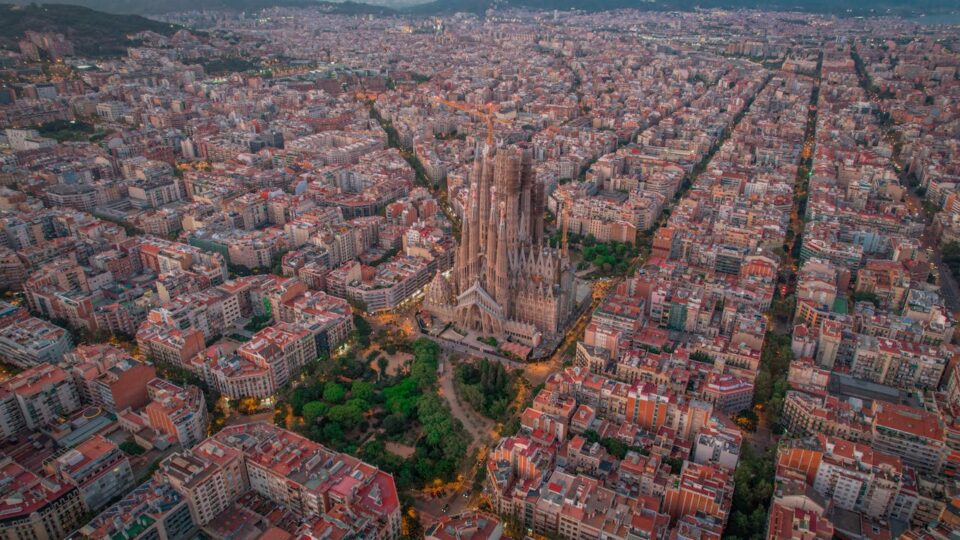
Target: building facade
{"x":505,"y":281}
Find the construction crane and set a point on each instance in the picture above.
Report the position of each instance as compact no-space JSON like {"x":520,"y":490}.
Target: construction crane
{"x":484,"y":113}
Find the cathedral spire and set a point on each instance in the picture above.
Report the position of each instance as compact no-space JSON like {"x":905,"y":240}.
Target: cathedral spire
{"x":505,"y":280}
{"x":490,"y":252}
{"x":503,"y":265}
{"x":485,"y":184}
{"x":473,"y":238}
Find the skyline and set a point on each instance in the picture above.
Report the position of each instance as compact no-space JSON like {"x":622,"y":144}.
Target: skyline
{"x":321,"y":272}
{"x":437,"y":7}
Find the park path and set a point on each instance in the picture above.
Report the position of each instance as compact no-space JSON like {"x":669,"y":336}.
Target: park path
{"x":477,"y":427}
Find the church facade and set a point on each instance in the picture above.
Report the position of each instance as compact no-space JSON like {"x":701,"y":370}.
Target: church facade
{"x":506,"y":281}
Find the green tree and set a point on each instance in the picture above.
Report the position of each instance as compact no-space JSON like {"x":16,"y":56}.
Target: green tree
{"x":333,"y":393}
{"x":362,"y":390}
{"x":382,"y":364}
{"x":412,"y":528}
{"x":361,"y":405}
{"x":951,"y":257}
{"x":348,"y":416}
{"x":762,"y":386}
{"x":314,"y":410}
{"x":301,"y":395}
{"x":701,"y":356}
{"x":784,"y":308}
{"x":616,"y":447}
{"x":753,"y":489}
{"x":676,"y":464}
{"x":864,"y":296}
{"x":349,"y":366}
{"x":394,"y":424}
{"x":747,"y":419}
{"x":363,"y":330}
{"x":401,"y":398}
{"x":473,"y":394}
{"x":486,"y":386}
{"x":131,"y":448}
{"x":425,"y":361}
{"x":332,"y":432}
{"x":498,"y":408}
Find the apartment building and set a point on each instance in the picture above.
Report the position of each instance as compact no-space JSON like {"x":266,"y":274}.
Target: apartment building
{"x":97,"y":467}
{"x":285,"y":349}
{"x":37,"y":397}
{"x":898,"y":363}
{"x":328,"y":318}
{"x":289,"y":470}
{"x":107,"y":377}
{"x":853,"y":476}
{"x":153,"y":510}
{"x":727,"y":392}
{"x":701,"y":488}
{"x":35,"y":507}
{"x":174,"y":346}
{"x":235,"y":375}
{"x":796,"y":515}
{"x":473,"y":525}
{"x":32,"y":341}
{"x":210,"y":478}
{"x":382,"y":288}
{"x":914,"y":435}
{"x":718,"y":446}
{"x":180,"y":413}
{"x":210,"y":311}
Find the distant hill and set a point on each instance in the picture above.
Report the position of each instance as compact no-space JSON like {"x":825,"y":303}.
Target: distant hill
{"x":857,"y":7}
{"x":156,"y":7}
{"x":93,"y":33}
{"x":435,"y":7}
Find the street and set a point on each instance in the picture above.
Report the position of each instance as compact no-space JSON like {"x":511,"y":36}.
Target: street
{"x":948,"y":284}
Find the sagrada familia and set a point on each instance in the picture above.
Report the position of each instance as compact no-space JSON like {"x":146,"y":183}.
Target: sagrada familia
{"x":506,"y":281}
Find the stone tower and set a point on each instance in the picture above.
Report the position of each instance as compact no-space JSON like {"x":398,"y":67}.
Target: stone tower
{"x":505,"y":280}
